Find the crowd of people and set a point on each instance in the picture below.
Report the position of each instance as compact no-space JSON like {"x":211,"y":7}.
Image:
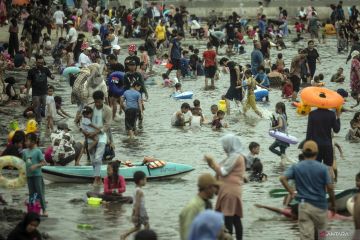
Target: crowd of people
{"x":89,"y":39}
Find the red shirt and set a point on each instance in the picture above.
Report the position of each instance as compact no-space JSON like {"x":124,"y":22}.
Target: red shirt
{"x":209,"y":58}
{"x":120,"y":186}
{"x":288,"y":90}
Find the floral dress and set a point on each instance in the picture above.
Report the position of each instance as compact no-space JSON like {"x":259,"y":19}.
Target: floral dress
{"x":354,"y":76}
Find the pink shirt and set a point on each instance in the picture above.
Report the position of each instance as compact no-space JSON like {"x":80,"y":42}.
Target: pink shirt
{"x":120,"y":186}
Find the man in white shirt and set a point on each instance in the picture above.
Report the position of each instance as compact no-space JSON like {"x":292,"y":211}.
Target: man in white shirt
{"x":84,"y":60}
{"x":59,"y":20}
{"x":72,"y":34}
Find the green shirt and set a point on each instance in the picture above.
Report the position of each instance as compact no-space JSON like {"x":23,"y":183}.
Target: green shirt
{"x":32,"y":157}
{"x":187,"y":215}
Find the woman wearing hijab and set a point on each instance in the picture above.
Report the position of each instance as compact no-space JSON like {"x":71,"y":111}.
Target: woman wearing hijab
{"x":208,"y":225}
{"x":27,"y":228}
{"x":231,"y":172}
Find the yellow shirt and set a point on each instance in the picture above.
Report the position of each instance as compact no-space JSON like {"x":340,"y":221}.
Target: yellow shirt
{"x":160,"y":32}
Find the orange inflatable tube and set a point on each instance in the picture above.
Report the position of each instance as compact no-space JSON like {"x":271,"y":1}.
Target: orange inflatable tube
{"x":321,"y":97}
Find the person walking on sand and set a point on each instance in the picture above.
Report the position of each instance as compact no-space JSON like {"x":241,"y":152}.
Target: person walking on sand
{"x":231,"y":172}
{"x":208,"y":186}
{"x":312,"y":180}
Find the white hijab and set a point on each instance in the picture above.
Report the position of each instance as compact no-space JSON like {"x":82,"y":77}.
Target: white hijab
{"x":233,"y":149}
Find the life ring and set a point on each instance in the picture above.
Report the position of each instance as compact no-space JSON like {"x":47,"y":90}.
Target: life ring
{"x":112,"y":82}
{"x":303,"y":110}
{"x":17,"y":163}
{"x":321,"y":97}
{"x":283,"y":137}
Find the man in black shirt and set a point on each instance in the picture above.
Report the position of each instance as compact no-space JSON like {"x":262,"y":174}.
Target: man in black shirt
{"x":37,"y":80}
{"x":230,"y":29}
{"x":114,"y":65}
{"x":178,"y":18}
{"x":321,"y":123}
{"x":132,"y":57}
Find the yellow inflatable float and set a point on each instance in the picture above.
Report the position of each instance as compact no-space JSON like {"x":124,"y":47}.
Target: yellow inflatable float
{"x":15,"y":162}
{"x":318,"y":97}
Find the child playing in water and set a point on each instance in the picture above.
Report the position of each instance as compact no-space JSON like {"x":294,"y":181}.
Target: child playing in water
{"x":50,"y":110}
{"x":250,"y":100}
{"x":214,"y":109}
{"x":280,"y":64}
{"x":218,"y":123}
{"x":178,"y":118}
{"x":87,"y":127}
{"x":262,"y":79}
{"x":287,"y":89}
{"x":139,"y":213}
{"x":209,"y":58}
{"x":178,"y":88}
{"x":281,"y":127}
{"x":257,"y":174}
{"x":166,"y":81}
{"x":197,"y":118}
{"x":338,"y":77}
{"x":353,"y":135}
{"x":254,"y":149}
{"x":316,"y":82}
{"x":114,"y":184}
{"x":59,"y":110}
{"x":334,"y":166}
{"x":34,"y":160}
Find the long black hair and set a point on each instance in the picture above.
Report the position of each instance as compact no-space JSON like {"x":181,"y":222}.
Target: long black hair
{"x":281,"y":105}
{"x":114,"y":179}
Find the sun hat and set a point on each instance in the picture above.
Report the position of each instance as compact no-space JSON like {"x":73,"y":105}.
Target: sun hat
{"x":310,"y":146}
{"x":355,"y":53}
{"x":206,"y":180}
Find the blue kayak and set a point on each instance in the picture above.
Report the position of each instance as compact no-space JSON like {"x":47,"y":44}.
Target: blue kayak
{"x":84,"y":174}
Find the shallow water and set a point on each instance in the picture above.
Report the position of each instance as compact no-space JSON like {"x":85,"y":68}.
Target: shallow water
{"x":165,"y":199}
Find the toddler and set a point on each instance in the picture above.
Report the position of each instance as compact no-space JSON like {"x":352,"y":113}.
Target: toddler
{"x":166,"y":81}
{"x":50,"y":110}
{"x":280,"y":64}
{"x":257,"y":174}
{"x":218,"y":122}
{"x":254,"y":149}
{"x":353,"y":136}
{"x":87,"y":127}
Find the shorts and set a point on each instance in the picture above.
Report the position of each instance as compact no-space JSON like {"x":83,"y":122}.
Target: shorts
{"x":176,"y":64}
{"x":131,"y":115}
{"x":326,"y":155}
{"x":210,"y":71}
{"x":295,"y":80}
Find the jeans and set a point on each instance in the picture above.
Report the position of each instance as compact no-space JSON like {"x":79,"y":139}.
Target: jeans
{"x":96,"y":156}
{"x":38,"y":102}
{"x":36,"y":185}
{"x":282,"y":145}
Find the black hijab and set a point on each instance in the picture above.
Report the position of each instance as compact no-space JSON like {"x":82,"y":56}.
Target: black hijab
{"x":20,"y":233}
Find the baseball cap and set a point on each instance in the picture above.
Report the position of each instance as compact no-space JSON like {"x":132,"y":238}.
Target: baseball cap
{"x":310,"y":146}
{"x":132,"y":48}
{"x":205,"y":180}
{"x":116,"y":47}
{"x":63,"y":126}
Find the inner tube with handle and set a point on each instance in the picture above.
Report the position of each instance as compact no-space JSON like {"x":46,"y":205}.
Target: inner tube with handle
{"x":15,"y":162}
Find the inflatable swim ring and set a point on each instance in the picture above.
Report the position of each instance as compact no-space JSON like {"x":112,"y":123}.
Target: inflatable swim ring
{"x":31,"y":126}
{"x":260,"y":93}
{"x":321,"y":98}
{"x":17,"y":163}
{"x":350,"y":205}
{"x":184,"y":95}
{"x":222,"y":105}
{"x":303,"y":110}
{"x":283,"y":137}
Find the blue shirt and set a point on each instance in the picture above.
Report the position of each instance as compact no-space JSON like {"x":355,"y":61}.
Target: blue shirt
{"x":132,"y":98}
{"x":262,"y":77}
{"x":311,"y":178}
{"x":262,"y":27}
{"x":257,"y":59}
{"x":176,"y":49}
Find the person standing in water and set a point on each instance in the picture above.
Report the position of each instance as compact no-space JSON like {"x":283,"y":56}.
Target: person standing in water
{"x":139,"y":214}
{"x":312,"y":180}
{"x":231,"y":172}
{"x":208,"y":186}
{"x":281,"y":126}
{"x":312,"y":57}
{"x":235,"y":90}
{"x":295,"y":72}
